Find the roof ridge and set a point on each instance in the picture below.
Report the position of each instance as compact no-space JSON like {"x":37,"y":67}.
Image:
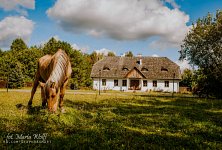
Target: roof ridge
{"x":153,"y":64}
{"x":136,"y":57}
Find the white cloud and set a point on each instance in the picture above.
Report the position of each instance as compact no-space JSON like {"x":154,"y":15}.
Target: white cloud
{"x":83,"y":49}
{"x":56,"y":37}
{"x":155,"y":55}
{"x":183,"y":65}
{"x":173,"y":3}
{"x":15,"y":27}
{"x":17,"y":5}
{"x":162,"y":44}
{"x":104,"y":51}
{"x":13,"y":4}
{"x":122,"y":20}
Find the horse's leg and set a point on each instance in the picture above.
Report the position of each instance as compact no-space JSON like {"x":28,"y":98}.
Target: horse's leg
{"x":36,"y":83}
{"x":43,"y":97}
{"x":62,"y":93}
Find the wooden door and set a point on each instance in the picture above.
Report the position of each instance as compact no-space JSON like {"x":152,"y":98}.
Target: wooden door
{"x":134,"y":84}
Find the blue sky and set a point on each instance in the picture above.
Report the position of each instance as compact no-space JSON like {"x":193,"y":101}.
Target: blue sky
{"x":147,"y":27}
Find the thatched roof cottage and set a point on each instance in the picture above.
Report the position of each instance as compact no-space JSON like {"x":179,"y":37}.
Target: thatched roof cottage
{"x":136,"y":73}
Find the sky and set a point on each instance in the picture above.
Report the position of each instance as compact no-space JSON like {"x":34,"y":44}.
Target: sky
{"x":148,"y":27}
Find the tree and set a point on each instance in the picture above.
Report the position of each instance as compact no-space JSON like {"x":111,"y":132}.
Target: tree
{"x":28,"y":59}
{"x":111,"y":54}
{"x":94,"y":57}
{"x":1,"y":53}
{"x":200,"y":84}
{"x":18,"y":45}
{"x":81,"y":69}
{"x":53,"y":45}
{"x":21,"y":63}
{"x":16,"y":79}
{"x":187,"y":76}
{"x":129,"y":54}
{"x":12,"y":68}
{"x":202,"y":47}
{"x":6,"y":60}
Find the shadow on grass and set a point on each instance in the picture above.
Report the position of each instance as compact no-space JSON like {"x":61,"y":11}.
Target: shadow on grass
{"x":190,"y":119}
{"x":25,"y":131}
{"x":147,"y":123}
{"x":34,"y":110}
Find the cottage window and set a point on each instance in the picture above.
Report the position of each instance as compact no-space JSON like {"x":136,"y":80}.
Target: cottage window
{"x":125,"y":69}
{"x":144,"y":69}
{"x":145,"y":83}
{"x":103,"y":82}
{"x":166,"y":83}
{"x":106,"y":68}
{"x":164,"y":69}
{"x":124,"y":83}
{"x":154,"y":83}
{"x":115,"y":82}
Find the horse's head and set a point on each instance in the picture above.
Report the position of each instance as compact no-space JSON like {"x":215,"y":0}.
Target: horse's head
{"x":50,"y":94}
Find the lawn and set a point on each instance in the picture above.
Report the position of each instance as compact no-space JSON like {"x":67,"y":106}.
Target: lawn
{"x":112,"y":120}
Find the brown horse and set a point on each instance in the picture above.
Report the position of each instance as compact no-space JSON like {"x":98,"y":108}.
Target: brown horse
{"x":52,"y":74}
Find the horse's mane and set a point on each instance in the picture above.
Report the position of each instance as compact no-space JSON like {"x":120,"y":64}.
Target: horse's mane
{"x":54,"y":68}
{"x":59,"y":65}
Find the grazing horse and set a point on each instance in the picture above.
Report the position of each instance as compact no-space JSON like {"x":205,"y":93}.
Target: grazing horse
{"x":52,"y":74}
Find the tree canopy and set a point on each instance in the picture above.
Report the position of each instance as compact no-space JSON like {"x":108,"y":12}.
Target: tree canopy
{"x":20,"y":63}
{"x":202,"y":47}
{"x":53,"y":45}
{"x":18,"y":45}
{"x":111,"y":54}
{"x":129,"y":54}
{"x":186,"y":78}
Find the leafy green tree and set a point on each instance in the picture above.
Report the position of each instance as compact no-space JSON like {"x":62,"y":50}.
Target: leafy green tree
{"x":5,"y":62}
{"x":16,"y":79}
{"x":200,"y":83}
{"x":187,"y":76}
{"x":94,"y":57}
{"x":53,"y":45}
{"x":2,"y":72}
{"x":81,"y":69}
{"x":202,"y":47}
{"x":65,"y":46}
{"x":18,"y":45}
{"x":28,"y":59}
{"x":21,"y":63}
{"x":129,"y":54}
{"x":1,"y":65}
{"x":111,"y":54}
{"x":1,"y":52}
{"x":11,"y":67}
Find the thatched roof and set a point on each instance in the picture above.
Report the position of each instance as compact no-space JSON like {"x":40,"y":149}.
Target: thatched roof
{"x":148,"y":67}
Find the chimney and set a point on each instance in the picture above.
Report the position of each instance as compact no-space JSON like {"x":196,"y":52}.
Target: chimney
{"x":139,"y":55}
{"x":139,"y":62}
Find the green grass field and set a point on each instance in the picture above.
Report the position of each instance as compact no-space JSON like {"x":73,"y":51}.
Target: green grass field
{"x":112,"y":120}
